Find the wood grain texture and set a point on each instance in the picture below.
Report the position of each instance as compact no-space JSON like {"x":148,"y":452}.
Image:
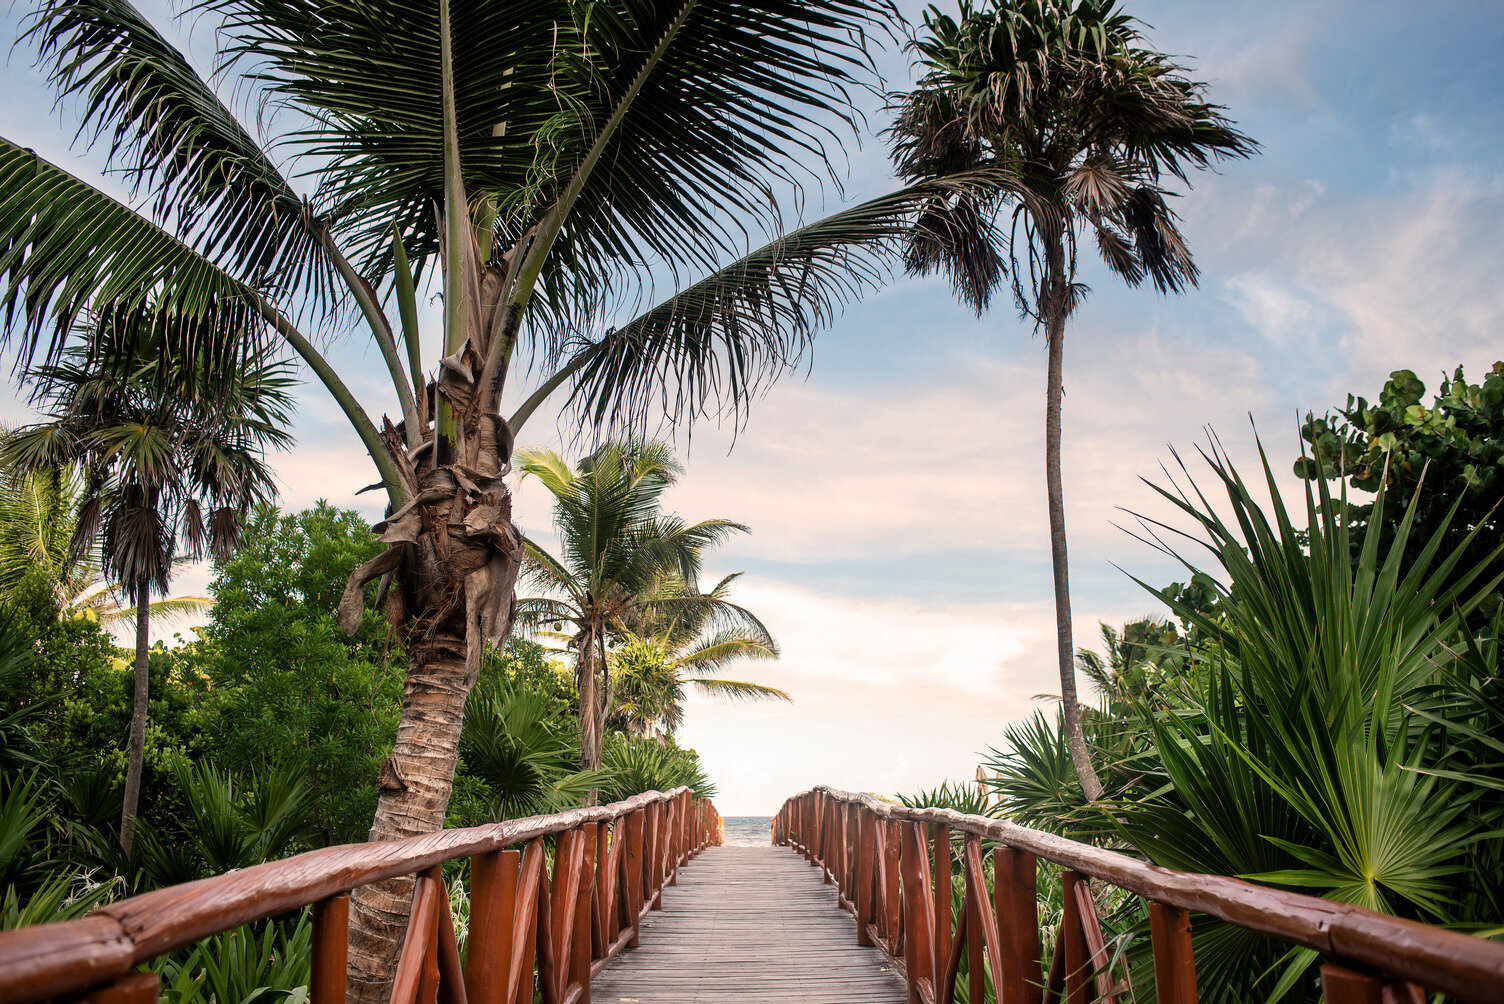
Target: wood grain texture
{"x":749,"y":924}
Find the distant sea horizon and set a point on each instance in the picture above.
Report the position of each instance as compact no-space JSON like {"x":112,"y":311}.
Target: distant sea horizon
{"x":748,"y":831}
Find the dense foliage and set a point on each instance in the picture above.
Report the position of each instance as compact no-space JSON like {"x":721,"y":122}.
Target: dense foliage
{"x":1320,"y":710}
{"x":1448,"y":455}
{"x":268,"y":728}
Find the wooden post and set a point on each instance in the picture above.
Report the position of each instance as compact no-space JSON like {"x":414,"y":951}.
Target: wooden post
{"x":1073,"y":941}
{"x":632,"y":871}
{"x":493,"y":905}
{"x":892,"y":905}
{"x":451,"y":973}
{"x":413,"y":980}
{"x":976,"y":895}
{"x":531,"y":892}
{"x":941,"y":948}
{"x":331,"y":950}
{"x":866,"y":873}
{"x":603,"y":883}
{"x":1174,"y":964}
{"x":579,"y":944}
{"x":671,"y":855}
{"x":1340,"y":985}
{"x":1015,"y":874}
{"x":655,"y":855}
{"x":918,"y":924}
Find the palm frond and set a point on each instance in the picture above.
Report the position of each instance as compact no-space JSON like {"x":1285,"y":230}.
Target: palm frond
{"x":66,"y":247}
{"x":712,"y":345}
{"x":738,"y":691}
{"x":171,"y":135}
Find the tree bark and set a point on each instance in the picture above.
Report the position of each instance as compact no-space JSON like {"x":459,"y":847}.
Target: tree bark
{"x":137,"y":756}
{"x":453,"y":555}
{"x":415,"y":783}
{"x":1057,"y":306}
{"x":587,"y":679}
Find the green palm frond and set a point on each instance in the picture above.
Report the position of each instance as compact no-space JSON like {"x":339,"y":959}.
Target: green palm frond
{"x":171,"y":609}
{"x":65,"y":247}
{"x":711,"y":344}
{"x":170,"y":134}
{"x":711,"y":654}
{"x":737,"y":690}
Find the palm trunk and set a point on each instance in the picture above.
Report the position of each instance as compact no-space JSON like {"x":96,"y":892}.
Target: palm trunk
{"x":1057,"y":305}
{"x":137,"y":755}
{"x":587,"y":681}
{"x":415,"y":784}
{"x":455,"y":557}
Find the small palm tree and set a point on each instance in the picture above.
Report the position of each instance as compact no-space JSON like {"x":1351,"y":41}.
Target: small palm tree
{"x":1065,"y":96}
{"x":617,"y":549}
{"x":685,"y":640}
{"x":171,"y":457}
{"x":38,"y":516}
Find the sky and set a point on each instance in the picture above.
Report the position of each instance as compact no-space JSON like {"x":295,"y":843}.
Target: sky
{"x":894,"y":486}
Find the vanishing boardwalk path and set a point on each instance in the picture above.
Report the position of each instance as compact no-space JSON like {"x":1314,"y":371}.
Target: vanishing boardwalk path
{"x":749,"y":924}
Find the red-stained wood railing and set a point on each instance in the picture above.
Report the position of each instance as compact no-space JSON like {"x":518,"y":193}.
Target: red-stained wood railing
{"x":892,"y":866}
{"x":531,"y":927}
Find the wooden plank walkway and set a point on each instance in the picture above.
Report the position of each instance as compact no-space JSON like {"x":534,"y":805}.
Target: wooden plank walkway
{"x":745,"y":924}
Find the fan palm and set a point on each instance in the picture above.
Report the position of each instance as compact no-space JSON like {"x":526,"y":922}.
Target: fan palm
{"x":542,"y":163}
{"x":1309,"y":751}
{"x":616,"y":549}
{"x":1064,"y":95}
{"x":172,"y":455}
{"x":681,"y":640}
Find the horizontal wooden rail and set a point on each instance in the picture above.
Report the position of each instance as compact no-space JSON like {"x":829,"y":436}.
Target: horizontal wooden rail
{"x":610,"y":866}
{"x":880,"y":855}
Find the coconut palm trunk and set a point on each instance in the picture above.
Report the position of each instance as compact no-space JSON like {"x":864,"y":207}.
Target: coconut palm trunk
{"x":587,"y":679}
{"x":136,"y":758}
{"x":1056,"y":308}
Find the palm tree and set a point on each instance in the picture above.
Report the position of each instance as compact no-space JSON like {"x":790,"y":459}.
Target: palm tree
{"x":684,"y":640}
{"x":38,"y":515}
{"x":171,"y":456}
{"x":1092,"y":124}
{"x":542,"y":164}
{"x":616,"y":549}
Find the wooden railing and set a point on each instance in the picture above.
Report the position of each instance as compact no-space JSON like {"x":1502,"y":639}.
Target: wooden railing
{"x":610,"y":865}
{"x":892,"y":865}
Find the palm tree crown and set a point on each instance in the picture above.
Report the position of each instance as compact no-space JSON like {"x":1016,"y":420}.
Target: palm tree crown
{"x":171,"y":454}
{"x":1065,"y":95}
{"x":686,"y":640}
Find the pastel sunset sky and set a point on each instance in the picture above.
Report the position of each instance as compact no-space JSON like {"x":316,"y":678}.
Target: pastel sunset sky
{"x":895,"y":486}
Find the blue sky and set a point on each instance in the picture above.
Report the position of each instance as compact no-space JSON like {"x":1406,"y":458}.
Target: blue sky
{"x":895,"y":490}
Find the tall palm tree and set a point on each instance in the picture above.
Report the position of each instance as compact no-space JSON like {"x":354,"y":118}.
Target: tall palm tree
{"x":686,"y":640}
{"x":616,"y":548}
{"x":171,"y":456}
{"x":543,"y":164}
{"x":1066,"y":96}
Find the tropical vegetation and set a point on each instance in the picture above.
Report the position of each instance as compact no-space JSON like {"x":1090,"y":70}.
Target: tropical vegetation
{"x":1317,"y":709}
{"x":626,"y":583}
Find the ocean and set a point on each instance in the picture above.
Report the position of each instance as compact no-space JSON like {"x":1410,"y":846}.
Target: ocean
{"x":749,"y":831}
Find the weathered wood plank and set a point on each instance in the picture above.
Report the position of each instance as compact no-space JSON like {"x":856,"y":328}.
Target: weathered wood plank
{"x":745,"y":924}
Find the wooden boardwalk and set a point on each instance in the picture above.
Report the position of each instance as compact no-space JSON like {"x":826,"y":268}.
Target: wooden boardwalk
{"x":749,"y":924}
